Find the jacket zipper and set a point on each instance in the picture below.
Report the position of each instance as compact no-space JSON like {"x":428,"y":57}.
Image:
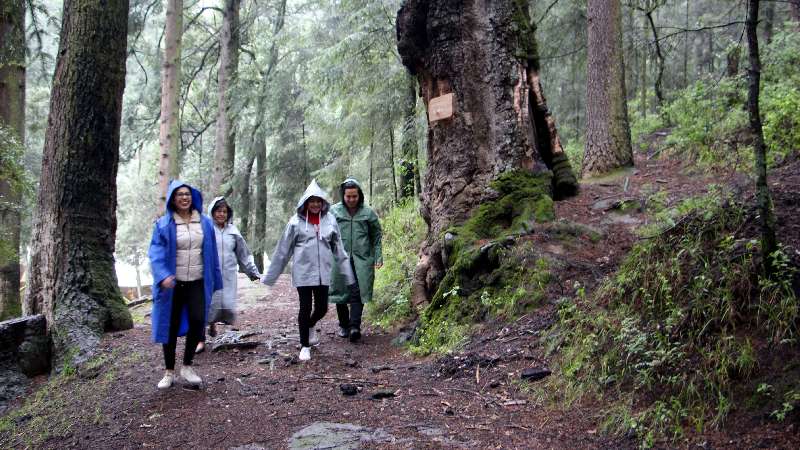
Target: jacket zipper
{"x":319,"y":261}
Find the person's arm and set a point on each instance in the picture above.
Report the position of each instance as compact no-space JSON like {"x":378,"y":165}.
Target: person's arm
{"x":245,"y":258}
{"x":283,"y":251}
{"x":159,"y":266}
{"x":376,"y":239}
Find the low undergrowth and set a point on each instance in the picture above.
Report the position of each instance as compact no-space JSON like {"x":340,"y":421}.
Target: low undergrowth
{"x":48,"y":413}
{"x":686,"y":330}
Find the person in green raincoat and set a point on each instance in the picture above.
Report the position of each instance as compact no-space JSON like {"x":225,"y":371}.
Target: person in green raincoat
{"x":361,"y":234}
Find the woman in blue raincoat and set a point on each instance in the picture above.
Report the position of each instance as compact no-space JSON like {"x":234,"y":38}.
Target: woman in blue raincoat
{"x":185,"y":267}
{"x":312,"y":240}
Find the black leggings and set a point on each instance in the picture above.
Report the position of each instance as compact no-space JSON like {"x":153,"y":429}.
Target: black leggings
{"x":306,"y":319}
{"x":189,"y":294}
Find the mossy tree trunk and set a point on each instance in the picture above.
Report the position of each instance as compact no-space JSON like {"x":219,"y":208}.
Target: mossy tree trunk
{"x":169,"y":138}
{"x":226,"y":76}
{"x":12,"y":121}
{"x":72,"y":278}
{"x":764,"y":202}
{"x":484,"y":53}
{"x":608,"y":135}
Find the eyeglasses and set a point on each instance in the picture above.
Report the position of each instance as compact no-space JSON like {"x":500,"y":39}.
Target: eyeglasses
{"x":183,"y":194}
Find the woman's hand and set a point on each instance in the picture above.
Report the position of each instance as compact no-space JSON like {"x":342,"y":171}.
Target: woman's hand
{"x":169,"y":282}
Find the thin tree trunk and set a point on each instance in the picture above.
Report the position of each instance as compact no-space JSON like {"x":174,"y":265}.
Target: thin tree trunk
{"x":12,"y":120}
{"x":643,"y":83}
{"x":391,"y":158}
{"x":409,"y":178}
{"x":794,"y":12}
{"x":764,"y":203}
{"x":261,"y":202}
{"x":226,"y":130}
{"x":686,"y":49}
{"x":245,"y":193}
{"x":371,"y":158}
{"x":769,"y":22}
{"x":169,"y":131}
{"x":72,"y":281}
{"x":608,"y":135}
{"x":659,"y":57}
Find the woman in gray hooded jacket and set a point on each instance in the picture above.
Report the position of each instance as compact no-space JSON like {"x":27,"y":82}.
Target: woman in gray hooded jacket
{"x":313,"y":241}
{"x":233,"y":254}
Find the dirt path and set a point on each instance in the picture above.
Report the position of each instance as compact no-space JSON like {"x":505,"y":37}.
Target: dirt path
{"x":264,"y":398}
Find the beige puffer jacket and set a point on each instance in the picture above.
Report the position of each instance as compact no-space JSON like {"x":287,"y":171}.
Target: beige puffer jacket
{"x":189,"y":256}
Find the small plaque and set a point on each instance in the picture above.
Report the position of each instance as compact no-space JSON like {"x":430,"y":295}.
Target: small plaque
{"x":440,"y":108}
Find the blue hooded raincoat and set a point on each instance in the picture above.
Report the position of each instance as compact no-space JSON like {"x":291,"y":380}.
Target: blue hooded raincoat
{"x":163,"y":248}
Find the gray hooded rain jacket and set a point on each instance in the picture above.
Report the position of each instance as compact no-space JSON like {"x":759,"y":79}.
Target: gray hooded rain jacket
{"x":312,"y":256}
{"x":233,"y":252}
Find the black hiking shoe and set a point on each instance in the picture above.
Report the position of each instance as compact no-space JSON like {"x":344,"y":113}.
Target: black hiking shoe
{"x":355,"y":335}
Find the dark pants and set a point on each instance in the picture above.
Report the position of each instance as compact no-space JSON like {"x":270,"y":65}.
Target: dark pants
{"x":306,"y":319}
{"x":349,"y":313}
{"x":189,"y":295}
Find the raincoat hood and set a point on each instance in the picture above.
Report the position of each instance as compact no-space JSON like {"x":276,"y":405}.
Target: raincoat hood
{"x":197,"y":197}
{"x":358,"y":186}
{"x":313,"y":190}
{"x":213,"y":205}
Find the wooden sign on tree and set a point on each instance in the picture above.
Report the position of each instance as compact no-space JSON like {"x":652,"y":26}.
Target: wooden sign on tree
{"x":440,"y":107}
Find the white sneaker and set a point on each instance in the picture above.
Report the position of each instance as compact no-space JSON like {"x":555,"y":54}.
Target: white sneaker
{"x":187,"y":373}
{"x":313,"y":336}
{"x":166,"y":382}
{"x":305,"y":354}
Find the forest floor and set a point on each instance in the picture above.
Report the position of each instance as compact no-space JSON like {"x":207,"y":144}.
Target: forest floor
{"x":264,"y":398}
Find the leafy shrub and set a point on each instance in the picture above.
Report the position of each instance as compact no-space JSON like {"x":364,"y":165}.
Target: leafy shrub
{"x":403,"y":232}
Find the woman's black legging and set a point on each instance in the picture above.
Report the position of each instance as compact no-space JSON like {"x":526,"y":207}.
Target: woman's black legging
{"x":306,"y":319}
{"x":189,"y":294}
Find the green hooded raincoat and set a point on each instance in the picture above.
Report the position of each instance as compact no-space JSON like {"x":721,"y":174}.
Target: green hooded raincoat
{"x":361,"y":234}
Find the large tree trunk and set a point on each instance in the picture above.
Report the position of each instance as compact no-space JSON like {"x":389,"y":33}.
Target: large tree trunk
{"x":764,"y":203}
{"x":261,"y":202}
{"x":12,"y":121}
{"x":72,"y":278}
{"x":169,"y":138}
{"x":226,"y":131}
{"x":608,"y":135}
{"x":484,"y":53}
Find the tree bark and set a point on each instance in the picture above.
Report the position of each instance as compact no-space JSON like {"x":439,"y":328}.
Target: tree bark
{"x":245,"y":194}
{"x":484,"y":53}
{"x":12,"y":120}
{"x":794,"y":11}
{"x":763,"y":200}
{"x":169,"y":138}
{"x":72,"y":278}
{"x":261,"y":202}
{"x":608,"y":135}
{"x":226,"y":130}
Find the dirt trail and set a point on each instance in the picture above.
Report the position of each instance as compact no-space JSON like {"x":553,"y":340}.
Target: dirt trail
{"x":264,"y":398}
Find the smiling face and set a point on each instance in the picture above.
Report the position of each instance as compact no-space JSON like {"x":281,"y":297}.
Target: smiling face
{"x":314,"y":205}
{"x":221,"y":214}
{"x":351,"y":198}
{"x":182,"y":200}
